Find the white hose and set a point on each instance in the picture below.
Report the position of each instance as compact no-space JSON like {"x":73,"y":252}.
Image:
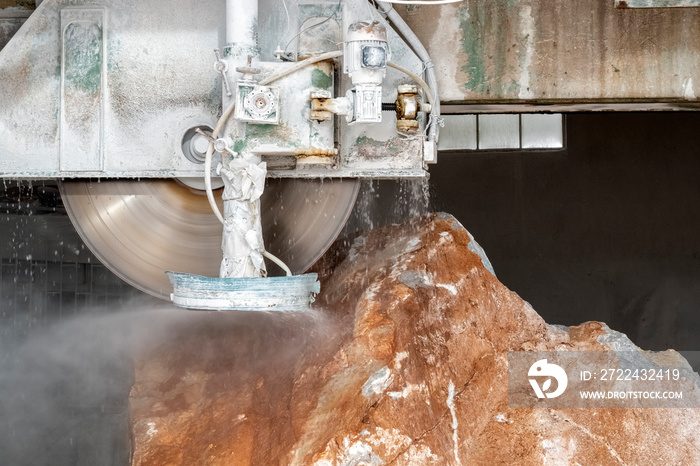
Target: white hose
{"x":387,"y":10}
{"x":302,"y":64}
{"x":416,"y":78}
{"x":338,"y":53}
{"x":207,"y":181}
{"x":279,"y":262}
{"x":207,"y":160}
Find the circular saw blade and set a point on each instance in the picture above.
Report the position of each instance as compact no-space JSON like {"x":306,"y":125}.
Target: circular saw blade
{"x":140,"y":229}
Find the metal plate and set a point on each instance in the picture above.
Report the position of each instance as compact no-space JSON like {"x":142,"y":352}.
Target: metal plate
{"x":140,"y":229}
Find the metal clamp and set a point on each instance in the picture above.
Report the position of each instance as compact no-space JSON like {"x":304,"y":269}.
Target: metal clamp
{"x":221,"y":67}
{"x":221,"y":145}
{"x":407,"y":108}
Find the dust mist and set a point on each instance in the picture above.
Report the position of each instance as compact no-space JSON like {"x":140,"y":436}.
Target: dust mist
{"x":385,"y":202}
{"x":64,"y":390}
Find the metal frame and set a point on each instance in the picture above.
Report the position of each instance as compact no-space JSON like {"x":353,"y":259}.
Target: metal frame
{"x":154,"y":81}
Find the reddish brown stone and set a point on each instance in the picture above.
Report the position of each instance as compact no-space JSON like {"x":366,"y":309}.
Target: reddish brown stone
{"x":403,"y":363}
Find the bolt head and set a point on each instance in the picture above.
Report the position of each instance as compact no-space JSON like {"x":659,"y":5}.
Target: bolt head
{"x":220,"y":145}
{"x":220,"y":66}
{"x":199,"y":144}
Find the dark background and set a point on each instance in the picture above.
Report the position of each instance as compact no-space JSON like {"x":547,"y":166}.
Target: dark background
{"x":607,"y":229}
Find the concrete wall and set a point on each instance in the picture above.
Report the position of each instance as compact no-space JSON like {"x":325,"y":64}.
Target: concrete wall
{"x":561,"y":51}
{"x":13,"y":13}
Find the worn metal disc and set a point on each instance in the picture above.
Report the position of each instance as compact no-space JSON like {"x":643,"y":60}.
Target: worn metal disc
{"x":141,"y":229}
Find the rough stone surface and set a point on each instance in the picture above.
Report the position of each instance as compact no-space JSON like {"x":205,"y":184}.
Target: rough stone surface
{"x":403,"y":363}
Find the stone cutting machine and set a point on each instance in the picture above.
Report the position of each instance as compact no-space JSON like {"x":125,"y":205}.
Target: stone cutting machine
{"x":220,"y":141}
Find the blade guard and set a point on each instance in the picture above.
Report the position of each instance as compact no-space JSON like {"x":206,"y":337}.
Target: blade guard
{"x":294,"y":293}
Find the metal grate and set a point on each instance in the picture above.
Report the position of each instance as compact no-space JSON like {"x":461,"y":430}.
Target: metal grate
{"x":54,"y":288}
{"x":46,"y":271}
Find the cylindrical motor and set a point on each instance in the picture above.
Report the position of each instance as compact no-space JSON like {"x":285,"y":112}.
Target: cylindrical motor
{"x":366,"y":55}
{"x":366,"y":52}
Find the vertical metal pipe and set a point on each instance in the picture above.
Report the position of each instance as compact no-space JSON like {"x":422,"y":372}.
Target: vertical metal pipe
{"x":241,"y":28}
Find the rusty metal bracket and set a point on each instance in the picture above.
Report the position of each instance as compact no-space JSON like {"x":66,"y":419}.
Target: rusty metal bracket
{"x":407,"y":107}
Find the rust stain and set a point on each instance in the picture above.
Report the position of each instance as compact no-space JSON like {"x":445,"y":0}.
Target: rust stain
{"x":560,"y":50}
{"x":28,"y":4}
{"x":403,"y":151}
{"x":316,"y":152}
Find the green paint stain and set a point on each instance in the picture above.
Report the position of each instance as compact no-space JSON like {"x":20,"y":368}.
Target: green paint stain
{"x":364,"y":140}
{"x":239,"y":146}
{"x":260,"y":130}
{"x":473,"y":47}
{"x":499,"y":59}
{"x":83,"y":57}
{"x":278,"y":135}
{"x":320,"y":79}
